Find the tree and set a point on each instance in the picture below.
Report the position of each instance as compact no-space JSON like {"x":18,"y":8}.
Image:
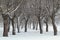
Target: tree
{"x":9,"y":7}
{"x":52,"y":12}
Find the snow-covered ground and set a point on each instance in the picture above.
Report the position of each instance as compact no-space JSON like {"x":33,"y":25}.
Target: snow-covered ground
{"x":31,"y":34}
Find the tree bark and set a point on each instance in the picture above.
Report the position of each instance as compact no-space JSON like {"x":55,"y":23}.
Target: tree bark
{"x":54,"y":26}
{"x":13,"y":28}
{"x":40,"y":26}
{"x":37,"y":26}
{"x":5,"y":19}
{"x":30,"y":25}
{"x":46,"y":27}
{"x":33,"y":25}
{"x":18,"y":26}
{"x":26,"y":25}
{"x":46,"y":22}
{"x":9,"y":24}
{"x":22,"y":26}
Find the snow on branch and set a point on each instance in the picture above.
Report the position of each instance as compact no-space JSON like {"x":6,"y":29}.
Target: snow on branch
{"x":17,"y":6}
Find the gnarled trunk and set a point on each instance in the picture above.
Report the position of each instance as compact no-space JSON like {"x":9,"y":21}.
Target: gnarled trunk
{"x":26,"y":25}
{"x":9,"y":24}
{"x":40,"y":26}
{"x":5,"y":19}
{"x":54,"y":26}
{"x":46,"y":24}
{"x":37,"y":26}
{"x":13,"y":28}
{"x":18,"y":28}
{"x":46,"y":27}
{"x":33,"y":25}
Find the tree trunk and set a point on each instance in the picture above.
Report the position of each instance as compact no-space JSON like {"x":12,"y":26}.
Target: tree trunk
{"x":9,"y":24}
{"x":54,"y":26}
{"x":26,"y":25}
{"x":40,"y":26}
{"x":13,"y":30}
{"x":18,"y":26}
{"x":37,"y":26}
{"x":5,"y":19}
{"x":33,"y":25}
{"x":30,"y":25}
{"x":46,"y":27}
{"x":46,"y":22}
{"x":22,"y":26}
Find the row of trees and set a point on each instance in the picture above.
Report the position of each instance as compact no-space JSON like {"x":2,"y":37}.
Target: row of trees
{"x":28,"y":11}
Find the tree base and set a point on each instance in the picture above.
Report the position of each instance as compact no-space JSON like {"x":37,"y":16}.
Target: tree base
{"x":25,"y":31}
{"x":55,"y":33}
{"x":13,"y":33}
{"x":41,"y":32}
{"x":18,"y":31}
{"x":5,"y":35}
{"x":46,"y":30}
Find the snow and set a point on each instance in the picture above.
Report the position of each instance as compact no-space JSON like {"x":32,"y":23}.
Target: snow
{"x":31,"y":34}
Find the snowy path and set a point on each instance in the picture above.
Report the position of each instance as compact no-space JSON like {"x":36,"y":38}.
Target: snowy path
{"x":31,"y":35}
